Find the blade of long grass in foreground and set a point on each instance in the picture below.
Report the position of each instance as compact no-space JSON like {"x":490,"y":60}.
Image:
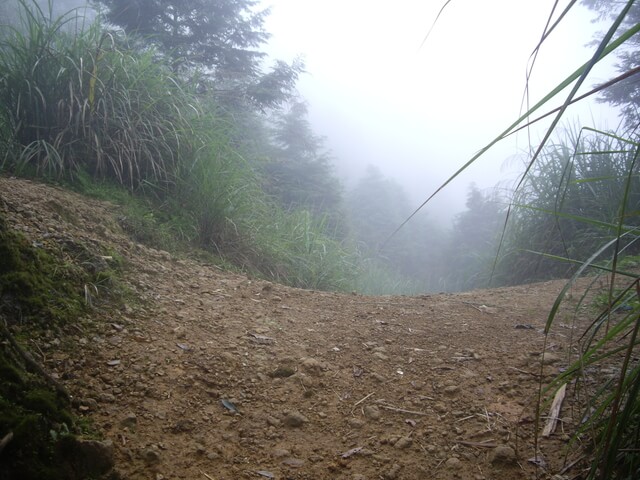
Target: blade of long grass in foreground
{"x":604,"y":49}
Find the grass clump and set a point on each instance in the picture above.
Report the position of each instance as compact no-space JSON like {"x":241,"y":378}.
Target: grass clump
{"x":79,"y":99}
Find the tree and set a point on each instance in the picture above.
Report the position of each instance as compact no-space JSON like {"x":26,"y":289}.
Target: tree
{"x":218,"y":39}
{"x":299,"y":172}
{"x":474,"y":240}
{"x":377,"y":206}
{"x":626,"y":93}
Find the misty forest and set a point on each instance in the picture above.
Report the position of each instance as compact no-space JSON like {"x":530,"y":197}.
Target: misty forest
{"x":177,"y":104}
{"x":174,"y":110}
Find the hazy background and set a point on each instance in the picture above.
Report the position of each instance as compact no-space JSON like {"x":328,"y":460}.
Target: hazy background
{"x":420,"y":112}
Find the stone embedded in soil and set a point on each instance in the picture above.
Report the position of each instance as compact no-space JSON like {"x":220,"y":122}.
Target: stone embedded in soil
{"x":380,"y":355}
{"x":392,"y":473}
{"x":451,"y":389}
{"x":403,"y":443}
{"x":293,"y":462}
{"x":440,"y":407}
{"x":453,"y":463}
{"x":372,"y":412}
{"x":294,"y":419}
{"x":273,"y":421}
{"x":312,"y":366}
{"x":91,"y":458}
{"x":130,"y":421}
{"x":503,"y":454}
{"x":151,"y":456}
{"x":549,"y":358}
{"x":283,"y":371}
{"x":355,"y":423}
{"x":182,"y":426}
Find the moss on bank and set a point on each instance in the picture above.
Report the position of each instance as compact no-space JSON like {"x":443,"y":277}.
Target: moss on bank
{"x":39,"y":290}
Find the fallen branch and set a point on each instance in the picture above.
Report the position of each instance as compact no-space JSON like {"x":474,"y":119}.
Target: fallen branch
{"x":554,"y":412}
{"x":361,"y":400}
{"x":486,"y":444}
{"x":31,"y":364}
{"x":402,"y":410}
{"x":5,"y":440}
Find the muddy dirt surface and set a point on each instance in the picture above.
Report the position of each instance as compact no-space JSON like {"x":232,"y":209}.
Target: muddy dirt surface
{"x":204,"y":374}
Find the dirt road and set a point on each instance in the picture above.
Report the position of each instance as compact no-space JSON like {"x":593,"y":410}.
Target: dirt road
{"x":204,"y":374}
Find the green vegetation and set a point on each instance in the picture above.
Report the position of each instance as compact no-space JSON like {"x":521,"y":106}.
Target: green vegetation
{"x":176,"y":120}
{"x":41,"y":289}
{"x":576,"y":209}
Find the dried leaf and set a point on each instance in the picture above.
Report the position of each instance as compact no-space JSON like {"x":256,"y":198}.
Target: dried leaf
{"x":261,"y":339}
{"x":113,"y":363}
{"x":265,"y":473}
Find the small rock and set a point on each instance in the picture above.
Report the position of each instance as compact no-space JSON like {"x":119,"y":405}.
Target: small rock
{"x":90,"y":458}
{"x":549,"y":358}
{"x":294,"y":419}
{"x":280,"y":453}
{"x":283,"y":371}
{"x":372,"y":412}
{"x":392,"y":473}
{"x":381,"y":356}
{"x":355,"y":423}
{"x":440,"y":407}
{"x":273,"y":421}
{"x":312,"y":366}
{"x":151,"y":456}
{"x":183,"y":426}
{"x":453,"y":463}
{"x":293,"y":462}
{"x":106,"y":398}
{"x":451,"y":389}
{"x":503,"y":454}
{"x":130,"y":421}
{"x":403,"y":443}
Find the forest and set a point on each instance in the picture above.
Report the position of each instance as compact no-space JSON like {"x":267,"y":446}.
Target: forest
{"x":181,"y":115}
{"x":173,"y":111}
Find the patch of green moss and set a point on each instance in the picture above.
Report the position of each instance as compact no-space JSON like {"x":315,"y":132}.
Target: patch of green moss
{"x":41,"y":287}
{"x":36,"y":417}
{"x":36,"y":284}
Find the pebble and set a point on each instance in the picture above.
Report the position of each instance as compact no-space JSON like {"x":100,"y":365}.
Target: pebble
{"x":151,"y":456}
{"x":392,"y":473}
{"x":294,"y":419}
{"x":355,"y":423}
{"x":503,"y":454}
{"x":451,"y":390}
{"x":403,"y":443}
{"x":130,"y":421}
{"x":312,"y":366}
{"x":372,"y":412}
{"x":293,"y":462}
{"x":453,"y":463}
{"x":440,"y":407}
{"x":549,"y":358}
{"x":380,"y":355}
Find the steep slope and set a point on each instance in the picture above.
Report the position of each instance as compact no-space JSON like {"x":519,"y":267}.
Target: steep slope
{"x":203,"y":374}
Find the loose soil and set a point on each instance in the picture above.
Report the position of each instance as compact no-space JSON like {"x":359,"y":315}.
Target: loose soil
{"x":205,"y":374}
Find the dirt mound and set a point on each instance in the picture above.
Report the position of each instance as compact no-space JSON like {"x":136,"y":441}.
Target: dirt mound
{"x":209,"y":375}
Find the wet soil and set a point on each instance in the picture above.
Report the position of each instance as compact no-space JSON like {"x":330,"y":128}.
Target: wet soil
{"x":205,"y":374}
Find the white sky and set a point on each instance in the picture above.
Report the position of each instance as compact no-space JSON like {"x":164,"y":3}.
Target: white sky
{"x":420,"y":113}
